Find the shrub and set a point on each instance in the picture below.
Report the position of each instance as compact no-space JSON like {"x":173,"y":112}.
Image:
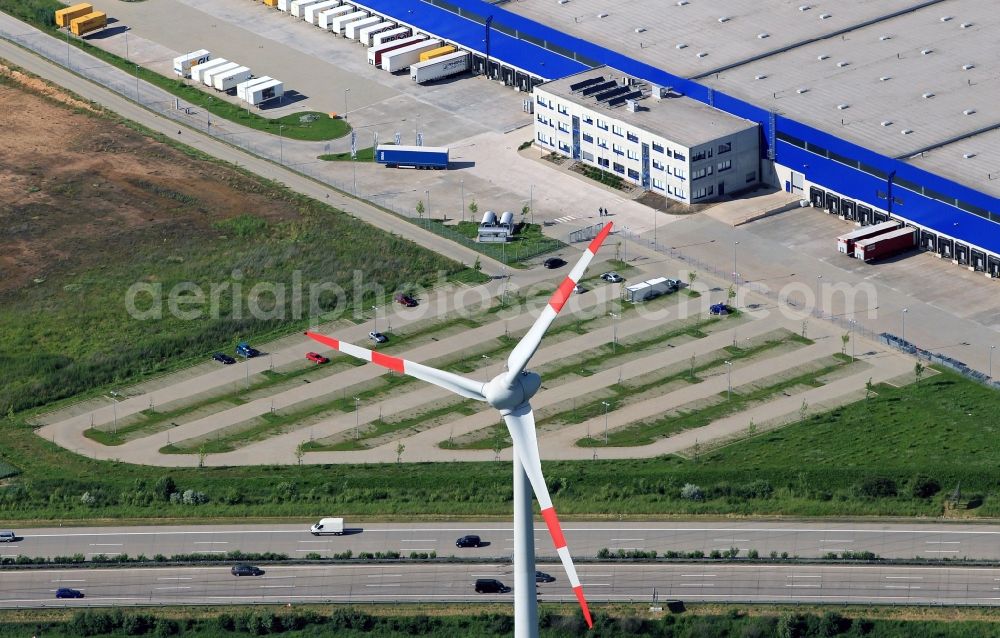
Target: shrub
{"x":924,"y":486}
{"x":165,"y":487}
{"x":877,"y":487}
{"x":752,"y":554}
{"x":692,"y":492}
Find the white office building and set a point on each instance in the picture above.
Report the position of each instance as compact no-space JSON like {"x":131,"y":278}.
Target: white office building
{"x":651,"y":137}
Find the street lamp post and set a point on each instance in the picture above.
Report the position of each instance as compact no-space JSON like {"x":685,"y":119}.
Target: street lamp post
{"x":114,"y":406}
{"x":992,"y":348}
{"x":614,"y":332}
{"x":137,"y":84}
{"x":729,"y":380}
{"x":462,"y":183}
{"x":853,"y":349}
{"x":346,"y":91}
{"x":357,"y":418}
{"x":902,"y":326}
{"x":531,"y":203}
{"x":606,"y":406}
{"x":736,"y":276}
{"x":375,"y":318}
{"x":428,"y":194}
{"x":281,"y":146}
{"x":819,"y":295}
{"x":487,"y":358}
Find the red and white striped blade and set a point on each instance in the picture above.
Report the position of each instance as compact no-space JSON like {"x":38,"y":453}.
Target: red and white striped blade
{"x":458,"y":384}
{"x":524,"y":350}
{"x":521,"y":424}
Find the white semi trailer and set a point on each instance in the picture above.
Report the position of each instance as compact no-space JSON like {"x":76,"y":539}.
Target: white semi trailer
{"x":351,"y":30}
{"x":388,"y":36}
{"x":323,"y":18}
{"x":228,"y":80}
{"x":208,"y":77}
{"x":337,"y":24}
{"x":242,"y":87}
{"x":376,"y":52}
{"x":313,"y":10}
{"x":297,"y":7}
{"x":402,"y":58}
{"x":365,"y":35}
{"x":183,"y":63}
{"x":198,"y":71}
{"x":440,"y":67}
{"x":260,"y":93}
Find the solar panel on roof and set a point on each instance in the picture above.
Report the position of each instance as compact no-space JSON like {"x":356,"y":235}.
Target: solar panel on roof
{"x":590,"y":90}
{"x":621,"y":99}
{"x":600,"y":97}
{"x":586,"y":83}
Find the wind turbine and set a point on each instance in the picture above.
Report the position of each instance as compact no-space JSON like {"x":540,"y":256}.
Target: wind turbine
{"x":510,"y":393}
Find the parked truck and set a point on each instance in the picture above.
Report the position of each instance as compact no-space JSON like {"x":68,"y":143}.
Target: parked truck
{"x":365,"y":35}
{"x":397,"y":33}
{"x":313,"y":10}
{"x":412,"y":156}
{"x":845,"y":243}
{"x":183,"y":63}
{"x":89,"y":23}
{"x":400,"y":59}
{"x":67,"y":15}
{"x":198,"y":71}
{"x":324,"y":18}
{"x":650,"y":289}
{"x":208,"y":77}
{"x":887,"y":244}
{"x":441,"y":67}
{"x":376,"y":52}
{"x":227,"y":81}
{"x":337,"y":24}
{"x":352,"y":29}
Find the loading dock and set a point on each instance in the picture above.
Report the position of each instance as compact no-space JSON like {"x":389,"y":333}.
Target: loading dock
{"x":864,"y":215}
{"x":978,"y":260}
{"x":946,"y":247}
{"x":832,"y":204}
{"x":817,"y":197}
{"x":961,"y":254}
{"x":880,"y":217}
{"x":993,"y":266}
{"x":928,"y":240}
{"x":849,"y":209}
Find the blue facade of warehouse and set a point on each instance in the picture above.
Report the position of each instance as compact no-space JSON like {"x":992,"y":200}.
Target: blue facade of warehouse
{"x":904,"y":190}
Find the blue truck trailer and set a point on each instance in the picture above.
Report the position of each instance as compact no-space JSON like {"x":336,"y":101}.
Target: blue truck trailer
{"x":412,"y":156}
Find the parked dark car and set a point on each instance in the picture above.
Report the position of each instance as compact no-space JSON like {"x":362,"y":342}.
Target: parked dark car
{"x":554,"y":262}
{"x":315,"y":357}
{"x":223,"y":358}
{"x":612,"y":277}
{"x":244,"y":350}
{"x":542,"y":577}
{"x":406,"y":300}
{"x":470,"y":540}
{"x":490,"y":586}
{"x":377,"y":337}
{"x":246,"y":570}
{"x":719,"y":309}
{"x":68,"y":592}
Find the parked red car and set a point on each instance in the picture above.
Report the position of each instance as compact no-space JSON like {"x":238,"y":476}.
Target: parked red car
{"x":316,"y":357}
{"x":406,"y":300}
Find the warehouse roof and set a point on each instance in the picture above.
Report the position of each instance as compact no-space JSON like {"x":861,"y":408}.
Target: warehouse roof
{"x":679,"y":119}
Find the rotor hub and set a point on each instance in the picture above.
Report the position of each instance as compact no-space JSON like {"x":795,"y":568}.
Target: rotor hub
{"x":505,"y":397}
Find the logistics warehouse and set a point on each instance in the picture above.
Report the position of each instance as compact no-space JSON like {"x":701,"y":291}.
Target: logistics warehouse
{"x":890,"y":107}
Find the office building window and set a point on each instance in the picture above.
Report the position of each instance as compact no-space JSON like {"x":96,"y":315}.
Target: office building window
{"x":617,"y":149}
{"x":632,"y":137}
{"x":601,"y":124}
{"x":562,"y":109}
{"x":616,"y":129}
{"x":657,"y":165}
{"x":679,"y":157}
{"x":658,"y":148}
{"x":657,"y":183}
{"x":632,"y":154}
{"x":588,"y":138}
{"x":679,"y":172}
{"x":602,"y":161}
{"x":698,"y":193}
{"x":587,"y":119}
{"x":700,"y":155}
{"x":541,"y":101}
{"x":633,"y":174}
{"x":725,"y":165}
{"x":725,"y":148}
{"x":603,"y":143}
{"x":618,"y":168}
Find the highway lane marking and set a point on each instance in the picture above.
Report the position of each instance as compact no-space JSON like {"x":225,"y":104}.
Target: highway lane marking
{"x":626,"y":540}
{"x":699,"y":575}
{"x":727,"y":540}
{"x":902,"y":586}
{"x":68,"y":580}
{"x":802,"y":585}
{"x":696,"y":585}
{"x":278,"y":577}
{"x":836,"y":540}
{"x":384,"y":575}
{"x":418,"y":540}
{"x":277,"y":586}
{"x":386,"y":585}
{"x":210,"y":543}
{"x":904,"y":577}
{"x":943,"y":542}
{"x":314,"y":541}
{"x":106,"y":544}
{"x":597,"y":584}
{"x":942,"y":551}
{"x":175,"y":578}
{"x":175,"y":587}
{"x":806,"y":576}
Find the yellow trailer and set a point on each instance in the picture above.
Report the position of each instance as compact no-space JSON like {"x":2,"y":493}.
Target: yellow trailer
{"x":67,"y":15}
{"x":436,"y":53}
{"x":271,"y":3}
{"x":88,"y":23}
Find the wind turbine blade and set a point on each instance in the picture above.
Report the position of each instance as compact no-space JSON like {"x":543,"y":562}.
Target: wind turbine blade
{"x":521,"y":423}
{"x":523,"y":351}
{"x":458,"y":384}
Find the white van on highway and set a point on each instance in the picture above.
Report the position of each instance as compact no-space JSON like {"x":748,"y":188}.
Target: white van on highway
{"x":328,"y":527}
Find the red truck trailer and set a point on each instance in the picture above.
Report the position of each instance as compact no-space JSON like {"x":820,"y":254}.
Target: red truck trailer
{"x":845,"y":243}
{"x":886,"y":244}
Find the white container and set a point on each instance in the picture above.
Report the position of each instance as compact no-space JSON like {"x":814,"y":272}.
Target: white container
{"x":313,"y":10}
{"x":337,"y":24}
{"x":402,"y":58}
{"x":228,"y":80}
{"x":242,"y":87}
{"x":208,"y":76}
{"x":365,"y":35}
{"x":351,"y":30}
{"x":183,"y":63}
{"x":387,"y":36}
{"x":198,"y":70}
{"x":323,"y":18}
{"x":375,"y":53}
{"x":260,"y":93}
{"x":440,"y":67}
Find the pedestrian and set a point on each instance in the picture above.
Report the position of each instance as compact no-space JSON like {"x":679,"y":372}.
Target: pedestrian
{"x":178,"y":131}
{"x":600,"y":212}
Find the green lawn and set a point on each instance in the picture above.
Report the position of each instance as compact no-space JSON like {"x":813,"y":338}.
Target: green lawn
{"x":311,"y":126}
{"x":363,"y":155}
{"x":528,"y":241}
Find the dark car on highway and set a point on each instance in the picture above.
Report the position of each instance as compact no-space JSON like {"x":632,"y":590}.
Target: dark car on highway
{"x":554,"y":262}
{"x":470,"y":540}
{"x":406,"y":300}
{"x":542,"y":577}
{"x":223,"y":358}
{"x":490,"y":586}
{"x":246,"y":570}
{"x":67,"y":592}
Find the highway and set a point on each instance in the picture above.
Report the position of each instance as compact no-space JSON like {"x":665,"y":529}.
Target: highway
{"x":454,"y":582}
{"x":889,"y":540}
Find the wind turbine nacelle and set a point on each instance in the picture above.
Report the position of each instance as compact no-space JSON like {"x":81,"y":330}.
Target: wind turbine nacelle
{"x":505,"y":397}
